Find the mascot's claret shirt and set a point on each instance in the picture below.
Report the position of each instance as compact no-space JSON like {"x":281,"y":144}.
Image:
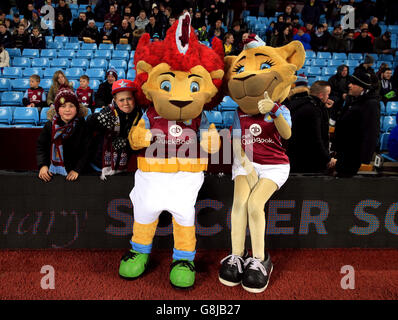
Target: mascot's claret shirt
{"x":175,"y":145}
{"x":260,"y":138}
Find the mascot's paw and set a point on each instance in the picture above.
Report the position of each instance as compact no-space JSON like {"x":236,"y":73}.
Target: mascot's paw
{"x":265,"y":105}
{"x":133,"y":265}
{"x":211,"y":141}
{"x":139,"y":137}
{"x":182,"y":274}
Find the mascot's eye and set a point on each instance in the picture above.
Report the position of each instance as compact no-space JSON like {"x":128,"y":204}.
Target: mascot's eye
{"x":165,"y":85}
{"x":194,"y":86}
{"x":265,"y":66}
{"x":239,"y":69}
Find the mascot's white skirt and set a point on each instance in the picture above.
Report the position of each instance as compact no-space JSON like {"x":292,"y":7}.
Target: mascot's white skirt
{"x":175,"y":192}
{"x":278,"y":173}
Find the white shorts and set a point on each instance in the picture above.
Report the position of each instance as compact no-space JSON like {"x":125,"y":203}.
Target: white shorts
{"x":176,"y":193}
{"x":278,"y":173}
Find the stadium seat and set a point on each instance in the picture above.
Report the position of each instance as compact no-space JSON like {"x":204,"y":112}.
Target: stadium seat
{"x":95,"y":73}
{"x":22,"y":62}
{"x":228,"y":104}
{"x":49,"y":39}
{"x":24,"y":115}
{"x":55,"y":45}
{"x":11,"y":98}
{"x":329,"y":71}
{"x":118,"y":64}
{"x":31,"y":53}
{"x":352,"y":63}
{"x":80,"y":63}
{"x":131,"y":73}
{"x":382,"y":108}
{"x":105,"y":46}
{"x":121,"y":74}
{"x":324,"y":55}
{"x":61,"y":39}
{"x":40,"y":62}
{"x":386,"y":57}
{"x":49,"y":72}
{"x":103,"y":54}
{"x":99,"y":63}
{"x":89,"y":46}
{"x":314,"y":71}
{"x":214,"y":117}
{"x":46,"y":84}
{"x":14,"y":52}
{"x":120,"y":46}
{"x":388,"y":123}
{"x":339,"y":56}
{"x":132,"y":53}
{"x":94,"y":84}
{"x":72,"y":45}
{"x":60,"y":63}
{"x":20,"y":84}
{"x":5,"y":84}
{"x":319,"y":62}
{"x":66,"y":53}
{"x":48,"y":53}
{"x":97,"y":110}
{"x":335,"y":63}
{"x":120,"y":55}
{"x":391,"y":108}
{"x":228,"y":118}
{"x":131,"y":65}
{"x":83,"y":53}
{"x":6,"y":115}
{"x":74,"y":40}
{"x":308,"y":62}
{"x":384,"y":141}
{"x":74,"y":73}
{"x":75,"y":83}
{"x":12,"y":72}
{"x":43,"y":115}
{"x":355,"y":56}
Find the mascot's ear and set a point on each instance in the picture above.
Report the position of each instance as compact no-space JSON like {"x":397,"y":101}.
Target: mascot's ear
{"x":293,"y":53}
{"x":228,"y":62}
{"x":142,"y":66}
{"x":218,"y":74}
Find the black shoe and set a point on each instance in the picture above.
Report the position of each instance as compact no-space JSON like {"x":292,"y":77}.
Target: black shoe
{"x":231,"y":270}
{"x":256,"y":274}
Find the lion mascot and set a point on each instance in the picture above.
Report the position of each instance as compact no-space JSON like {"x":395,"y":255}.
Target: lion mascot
{"x":178,"y":77}
{"x":258,"y":79}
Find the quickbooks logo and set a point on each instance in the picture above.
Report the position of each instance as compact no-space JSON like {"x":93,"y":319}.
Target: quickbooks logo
{"x":175,"y":130}
{"x":255,"y":129}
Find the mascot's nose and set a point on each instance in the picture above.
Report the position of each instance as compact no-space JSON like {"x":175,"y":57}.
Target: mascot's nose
{"x":180,"y":103}
{"x":245,"y":77}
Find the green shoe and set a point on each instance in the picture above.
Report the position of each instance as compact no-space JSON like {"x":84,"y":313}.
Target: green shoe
{"x":133,"y":264}
{"x":182,"y":274}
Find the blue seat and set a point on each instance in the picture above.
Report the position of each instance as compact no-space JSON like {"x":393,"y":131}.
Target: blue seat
{"x":329,"y":71}
{"x":319,"y":62}
{"x":72,"y":45}
{"x":74,"y":73}
{"x":5,"y":84}
{"x":75,"y":83}
{"x":48,"y":53}
{"x":339,"y":56}
{"x":95,"y":73}
{"x":22,"y":62}
{"x":105,"y":46}
{"x":308,"y":62}
{"x":335,"y":63}
{"x":121,"y":74}
{"x":99,"y":63}
{"x":89,"y":46}
{"x":32,"y":53}
{"x":20,"y":84}
{"x":388,"y":123}
{"x":43,"y":115}
{"x":131,"y":73}
{"x":228,"y":118}
{"x":79,"y":63}
{"x":382,"y":108}
{"x":74,"y":40}
{"x":60,"y":63}
{"x":66,"y":53}
{"x":94,"y":84}
{"x":131,"y":65}
{"x":228,"y":104}
{"x":46,"y":84}
{"x":40,"y":62}
{"x":352,"y":63}
{"x":84,"y":53}
{"x":49,"y":39}
{"x":6,"y":115}
{"x":14,"y":52}
{"x":386,"y":57}
{"x":26,"y":115}
{"x":104,"y":54}
{"x":355,"y":56}
{"x":214,"y":117}
{"x":11,"y":98}
{"x":12,"y":72}
{"x":132,"y":54}
{"x":55,"y":45}
{"x":324,"y":55}
{"x":61,"y":39}
{"x":121,"y":46}
{"x":314,"y":71}
{"x":384,"y":141}
{"x":118,"y":64}
{"x":49,"y":72}
{"x":120,"y":55}
{"x":391,"y":108}
{"x":97,"y":110}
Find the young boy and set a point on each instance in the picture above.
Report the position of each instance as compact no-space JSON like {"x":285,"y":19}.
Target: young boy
{"x":35,"y":95}
{"x":85,"y":93}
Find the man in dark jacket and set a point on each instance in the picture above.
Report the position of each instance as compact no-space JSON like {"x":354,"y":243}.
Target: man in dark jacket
{"x":357,"y":129}
{"x":91,"y":31}
{"x":308,"y":148}
{"x":339,"y":86}
{"x":79,"y":24}
{"x":104,"y":97}
{"x":363,"y":43}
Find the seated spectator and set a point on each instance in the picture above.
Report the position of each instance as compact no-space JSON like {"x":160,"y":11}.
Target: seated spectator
{"x":161,"y":19}
{"x":339,"y":89}
{"x":392,"y":143}
{"x":79,"y":24}
{"x":90,"y":14}
{"x":333,"y":11}
{"x":336,"y":41}
{"x":197,"y":21}
{"x":103,"y":97}
{"x":304,"y":38}
{"x":374,"y":27}
{"x":237,"y":33}
{"x":5,"y":36}
{"x":382,"y":45}
{"x":62,"y":147}
{"x":284,"y":37}
{"x":319,"y":39}
{"x":311,"y":12}
{"x":64,"y":9}
{"x":387,"y":91}
{"x":349,"y":41}
{"x":85,"y":94}
{"x":217,"y":26}
{"x":113,"y":16}
{"x":108,"y":34}
{"x":35,"y":97}
{"x":171,"y":21}
{"x":90,"y":33}
{"x":131,"y":20}
{"x":110,"y":149}
{"x":229,"y":44}
{"x":59,"y":81}
{"x":62,"y":27}
{"x":4,"y":57}
{"x":124,"y":34}
{"x":136,"y":37}
{"x":141,"y":21}
{"x":27,"y":13}
{"x":289,"y":12}
{"x":308,"y":147}
{"x":364,"y":26}
{"x":152,"y":27}
{"x":16,"y":21}
{"x":382,"y":67}
{"x":21,"y":38}
{"x":35,"y":21}
{"x":363,"y":43}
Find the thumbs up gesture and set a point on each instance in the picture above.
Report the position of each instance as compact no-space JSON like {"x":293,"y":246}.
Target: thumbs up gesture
{"x":211,"y":141}
{"x":139,"y":137}
{"x":265,"y":105}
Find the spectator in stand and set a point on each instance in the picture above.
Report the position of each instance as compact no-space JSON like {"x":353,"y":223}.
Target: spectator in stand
{"x":4,"y":57}
{"x":152,"y":27}
{"x":161,"y":19}
{"x":35,"y":97}
{"x":366,"y":67}
{"x":319,"y":39}
{"x":311,"y":12}
{"x":284,"y":37}
{"x":383,"y":44}
{"x":382,"y":67}
{"x":62,"y":147}
{"x":85,"y":94}
{"x":16,"y":21}
{"x":89,"y":13}
{"x":113,"y":16}
{"x":364,"y":26}
{"x":280,"y":23}
{"x":35,"y":21}
{"x":374,"y":27}
{"x":28,"y":11}
{"x":108,"y":33}
{"x":63,"y":8}
{"x":133,"y":27}
{"x":103,"y":97}
{"x":90,"y":33}
{"x":137,"y":33}
{"x":336,"y":41}
{"x":289,"y":12}
{"x":79,"y":24}
{"x":363,"y":43}
{"x":5,"y":36}
{"x":202,"y":34}
{"x":62,"y":27}
{"x":339,"y":89}
{"x":124,"y":32}
{"x":333,"y":8}
{"x":59,"y":81}
{"x":349,"y":41}
{"x":308,"y":147}
{"x":198,"y":21}
{"x":387,"y":91}
{"x":141,"y":21}
{"x":268,"y":33}
{"x":237,"y":34}
{"x":229,"y":44}
{"x":303,"y":37}
{"x":21,"y":38}
{"x":37,"y":40}
{"x":392,"y":144}
{"x":217,"y":26}
{"x":357,"y":130}
{"x":26,"y":24}
{"x":171,"y":22}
